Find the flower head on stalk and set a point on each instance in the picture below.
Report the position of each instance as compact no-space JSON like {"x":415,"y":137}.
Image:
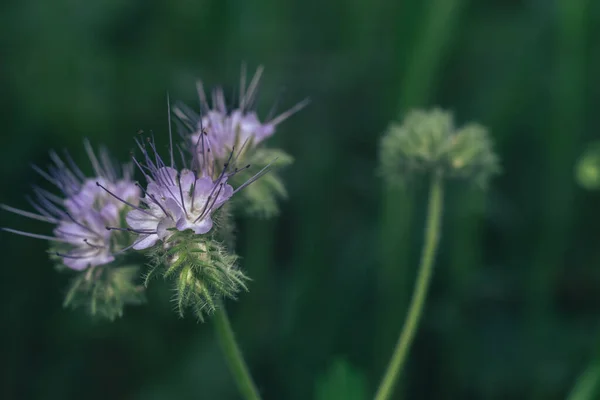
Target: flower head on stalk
{"x":222,"y":128}
{"x":79,"y":215}
{"x":175,"y":221}
{"x":428,"y":141}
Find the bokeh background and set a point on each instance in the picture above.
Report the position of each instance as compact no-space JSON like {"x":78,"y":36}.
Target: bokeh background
{"x":514,"y":310}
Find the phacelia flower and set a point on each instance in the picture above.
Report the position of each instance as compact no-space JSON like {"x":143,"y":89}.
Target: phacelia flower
{"x":178,"y":200}
{"x":174,"y":221}
{"x":223,"y":130}
{"x":428,"y":141}
{"x":81,"y":213}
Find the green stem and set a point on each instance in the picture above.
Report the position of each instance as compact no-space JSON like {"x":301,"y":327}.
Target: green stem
{"x":432,"y":235}
{"x":233,"y":355}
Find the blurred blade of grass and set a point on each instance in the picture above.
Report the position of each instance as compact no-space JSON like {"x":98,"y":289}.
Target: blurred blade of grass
{"x":560,"y":150}
{"x":422,"y":68}
{"x":587,"y":386}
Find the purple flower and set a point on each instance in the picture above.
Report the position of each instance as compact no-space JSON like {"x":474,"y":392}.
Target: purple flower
{"x":179,"y":200}
{"x":226,"y":129}
{"x":83,"y":210}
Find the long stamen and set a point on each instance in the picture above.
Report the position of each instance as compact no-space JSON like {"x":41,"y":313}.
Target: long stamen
{"x":86,"y":241}
{"x":47,"y":205}
{"x":153,"y":198}
{"x":87,"y":228}
{"x":41,"y":210}
{"x":242,"y":86}
{"x":255,"y":177}
{"x":108,"y":165}
{"x":161,"y":207}
{"x":208,"y":209}
{"x":61,"y":232}
{"x":181,"y":195}
{"x":46,"y":176}
{"x":204,"y":107}
{"x":35,"y":235}
{"x":74,"y":166}
{"x":63,"y":255}
{"x":193,"y":190}
{"x":92,"y":156}
{"x":29,"y":214}
{"x":123,"y":201}
{"x":170,"y":132}
{"x":140,"y":231}
{"x":141,"y":168}
{"x":250,"y":94}
{"x":286,"y":114}
{"x":47,"y":195}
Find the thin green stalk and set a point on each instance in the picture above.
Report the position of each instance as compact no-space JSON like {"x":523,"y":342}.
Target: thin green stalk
{"x":432,"y":235}
{"x":233,"y":355}
{"x":433,"y":41}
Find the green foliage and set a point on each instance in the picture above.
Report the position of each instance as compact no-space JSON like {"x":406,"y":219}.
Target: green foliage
{"x":202,"y":269}
{"x":341,"y":381}
{"x":587,"y":170}
{"x":588,"y":384}
{"x":261,"y":197}
{"x":104,"y":291}
{"x":428,"y":141}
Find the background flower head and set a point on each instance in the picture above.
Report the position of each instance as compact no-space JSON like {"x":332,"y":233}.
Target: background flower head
{"x":81,"y":211}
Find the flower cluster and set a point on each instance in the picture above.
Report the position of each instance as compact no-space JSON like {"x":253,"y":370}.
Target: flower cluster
{"x":428,"y":141}
{"x":222,"y":129}
{"x":80,"y":214}
{"x":179,"y":217}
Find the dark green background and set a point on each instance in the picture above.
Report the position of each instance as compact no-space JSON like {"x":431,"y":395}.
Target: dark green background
{"x":514,"y":308}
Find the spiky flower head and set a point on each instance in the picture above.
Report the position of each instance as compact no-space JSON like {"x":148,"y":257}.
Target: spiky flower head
{"x":224,"y":129}
{"x":176,"y":220}
{"x":79,"y":215}
{"x":81,"y":212}
{"x":430,"y":141}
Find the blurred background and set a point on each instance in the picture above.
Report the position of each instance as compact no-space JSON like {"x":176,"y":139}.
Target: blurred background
{"x":514,"y":309}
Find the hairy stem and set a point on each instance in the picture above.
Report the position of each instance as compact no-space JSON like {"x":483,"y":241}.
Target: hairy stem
{"x":432,"y":235}
{"x":233,"y":355}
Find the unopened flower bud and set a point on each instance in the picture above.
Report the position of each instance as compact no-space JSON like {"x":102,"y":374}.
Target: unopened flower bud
{"x":203,"y":271}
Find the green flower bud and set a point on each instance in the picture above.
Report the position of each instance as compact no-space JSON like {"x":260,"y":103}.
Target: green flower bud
{"x":587,"y":171}
{"x":428,"y":141}
{"x":105,"y":290}
{"x":203,"y":270}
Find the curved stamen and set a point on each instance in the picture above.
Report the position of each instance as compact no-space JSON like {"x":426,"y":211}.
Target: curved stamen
{"x":86,"y":241}
{"x":124,"y":201}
